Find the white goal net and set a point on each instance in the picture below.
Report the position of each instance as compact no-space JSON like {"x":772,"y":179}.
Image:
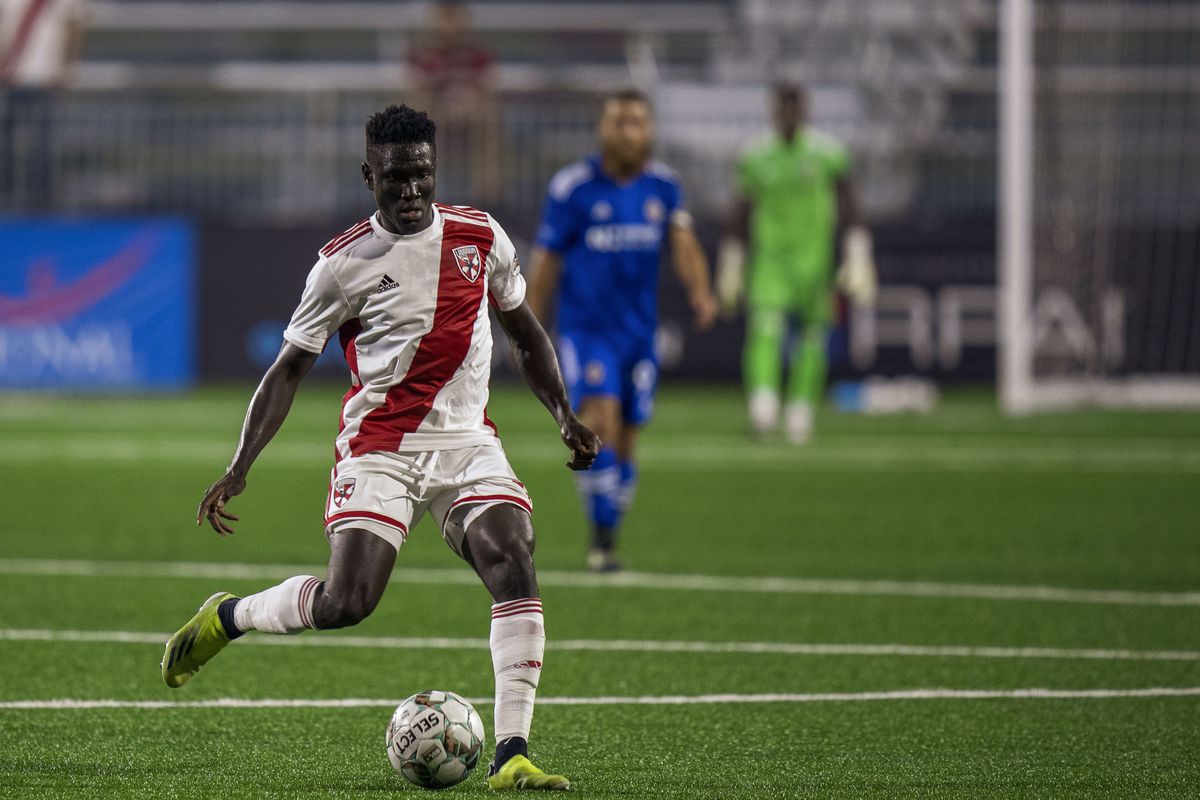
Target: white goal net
{"x":1100,"y":203}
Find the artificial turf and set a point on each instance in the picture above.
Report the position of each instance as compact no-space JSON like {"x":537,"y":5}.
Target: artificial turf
{"x":98,"y":536}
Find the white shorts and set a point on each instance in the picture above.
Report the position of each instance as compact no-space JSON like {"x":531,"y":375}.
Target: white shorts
{"x":386,"y":493}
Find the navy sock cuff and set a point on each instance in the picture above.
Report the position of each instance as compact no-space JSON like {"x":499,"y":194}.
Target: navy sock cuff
{"x":514,"y":746}
{"x":225,"y":614}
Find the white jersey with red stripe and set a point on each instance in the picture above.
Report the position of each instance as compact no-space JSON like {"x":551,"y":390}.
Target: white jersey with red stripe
{"x":411,"y":314}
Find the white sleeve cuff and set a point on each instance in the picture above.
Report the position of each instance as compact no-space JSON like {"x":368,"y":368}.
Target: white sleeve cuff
{"x":303,"y":341}
{"x":515,"y":295}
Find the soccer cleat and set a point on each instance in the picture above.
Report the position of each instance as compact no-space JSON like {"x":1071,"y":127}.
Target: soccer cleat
{"x":799,"y":422}
{"x":195,"y":643}
{"x":518,"y":773}
{"x":601,"y":560}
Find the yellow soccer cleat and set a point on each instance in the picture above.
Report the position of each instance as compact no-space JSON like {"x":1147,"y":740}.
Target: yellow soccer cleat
{"x":195,"y":643}
{"x":518,"y":773}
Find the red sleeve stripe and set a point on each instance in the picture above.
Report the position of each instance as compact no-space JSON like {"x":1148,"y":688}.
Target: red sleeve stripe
{"x":451,"y":216}
{"x":400,"y":526}
{"x":466,"y":211}
{"x":307,"y":589}
{"x":351,"y":234}
{"x":351,"y":231}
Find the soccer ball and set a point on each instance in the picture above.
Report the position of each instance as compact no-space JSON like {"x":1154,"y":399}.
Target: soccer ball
{"x":434,"y":739}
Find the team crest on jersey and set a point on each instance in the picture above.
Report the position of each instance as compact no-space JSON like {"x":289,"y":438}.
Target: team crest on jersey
{"x":469,"y":262}
{"x":654,"y":210}
{"x":342,"y":489}
{"x":601,"y":211}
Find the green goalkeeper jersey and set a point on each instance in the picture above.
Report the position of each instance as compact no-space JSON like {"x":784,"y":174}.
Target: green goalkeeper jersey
{"x":793,"y":188}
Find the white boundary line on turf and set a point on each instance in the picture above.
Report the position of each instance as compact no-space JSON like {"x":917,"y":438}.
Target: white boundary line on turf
{"x":627,"y":646}
{"x":681,"y":453}
{"x":647,"y":700}
{"x":636,"y":580}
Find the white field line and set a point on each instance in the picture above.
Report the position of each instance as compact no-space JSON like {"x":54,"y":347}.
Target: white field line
{"x":620,"y":580}
{"x":626,"y":646}
{"x":637,"y":700}
{"x":679,"y":454}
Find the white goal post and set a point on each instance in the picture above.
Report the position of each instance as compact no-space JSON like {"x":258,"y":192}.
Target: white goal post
{"x":1098,"y":266}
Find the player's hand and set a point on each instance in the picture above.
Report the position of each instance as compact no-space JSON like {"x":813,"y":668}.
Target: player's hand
{"x":704,"y":306}
{"x":731,"y":264}
{"x":857,"y":277}
{"x":583,"y":444}
{"x":212,"y":507}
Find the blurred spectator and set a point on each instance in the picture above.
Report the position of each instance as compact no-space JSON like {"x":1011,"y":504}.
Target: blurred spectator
{"x":453,"y":83}
{"x":40,"y":42}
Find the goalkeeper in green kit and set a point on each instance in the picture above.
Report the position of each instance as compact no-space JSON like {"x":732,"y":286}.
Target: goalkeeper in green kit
{"x":794,"y":194}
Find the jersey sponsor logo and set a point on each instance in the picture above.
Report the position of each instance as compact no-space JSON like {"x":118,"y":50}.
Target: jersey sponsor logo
{"x":618,"y":238}
{"x":386,"y":285}
{"x":469,"y":262}
{"x":342,"y":489}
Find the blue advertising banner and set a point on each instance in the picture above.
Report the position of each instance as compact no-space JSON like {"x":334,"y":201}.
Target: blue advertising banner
{"x":96,"y":304}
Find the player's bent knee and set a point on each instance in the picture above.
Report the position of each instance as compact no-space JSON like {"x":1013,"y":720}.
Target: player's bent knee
{"x":343,"y":609}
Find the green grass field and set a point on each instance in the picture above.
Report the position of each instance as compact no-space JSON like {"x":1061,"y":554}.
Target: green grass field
{"x":958,"y":605}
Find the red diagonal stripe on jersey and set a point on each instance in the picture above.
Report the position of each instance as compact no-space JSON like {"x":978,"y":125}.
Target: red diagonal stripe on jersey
{"x":347,"y":336}
{"x":441,"y":351}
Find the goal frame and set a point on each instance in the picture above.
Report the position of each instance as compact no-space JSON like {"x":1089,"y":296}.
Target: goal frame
{"x":1020,"y":391}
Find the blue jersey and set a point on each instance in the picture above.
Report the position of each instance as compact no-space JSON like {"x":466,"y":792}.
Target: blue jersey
{"x":610,"y":237}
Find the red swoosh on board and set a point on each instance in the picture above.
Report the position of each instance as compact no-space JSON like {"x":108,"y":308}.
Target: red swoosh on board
{"x":59,"y":301}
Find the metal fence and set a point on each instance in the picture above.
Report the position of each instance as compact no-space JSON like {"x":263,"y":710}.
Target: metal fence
{"x":294,"y":155}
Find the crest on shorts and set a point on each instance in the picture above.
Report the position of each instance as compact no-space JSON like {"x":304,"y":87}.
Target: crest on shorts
{"x":342,"y":489}
{"x":469,"y":262}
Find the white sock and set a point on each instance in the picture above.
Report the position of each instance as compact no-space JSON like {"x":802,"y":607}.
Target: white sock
{"x":799,"y":421}
{"x":764,"y":410}
{"x":518,"y":641}
{"x":286,"y":608}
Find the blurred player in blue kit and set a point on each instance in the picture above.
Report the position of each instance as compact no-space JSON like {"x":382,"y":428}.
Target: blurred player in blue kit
{"x":599,"y":245}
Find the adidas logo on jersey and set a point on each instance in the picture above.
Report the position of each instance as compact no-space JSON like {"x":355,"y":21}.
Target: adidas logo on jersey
{"x":386,"y":285}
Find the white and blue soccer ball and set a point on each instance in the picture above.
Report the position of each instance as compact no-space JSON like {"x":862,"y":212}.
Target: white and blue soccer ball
{"x":434,"y":739}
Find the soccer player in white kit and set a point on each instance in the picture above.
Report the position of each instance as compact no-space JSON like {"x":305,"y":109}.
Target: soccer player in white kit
{"x":406,"y":292}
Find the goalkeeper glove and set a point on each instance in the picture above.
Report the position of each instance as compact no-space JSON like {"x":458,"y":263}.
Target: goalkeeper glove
{"x":731,"y":264}
{"x":856,"y":276}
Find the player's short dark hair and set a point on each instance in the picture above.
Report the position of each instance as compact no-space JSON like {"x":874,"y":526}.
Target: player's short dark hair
{"x":400,"y":125}
{"x":628,"y":95}
{"x":788,"y":90}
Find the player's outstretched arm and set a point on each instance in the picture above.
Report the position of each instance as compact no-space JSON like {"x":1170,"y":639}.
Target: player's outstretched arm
{"x":538,"y":365}
{"x":268,"y":408}
{"x":545,"y":269}
{"x":692,"y":267}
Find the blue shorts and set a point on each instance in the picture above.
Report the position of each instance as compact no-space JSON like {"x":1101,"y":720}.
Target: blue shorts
{"x":594,"y":367}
